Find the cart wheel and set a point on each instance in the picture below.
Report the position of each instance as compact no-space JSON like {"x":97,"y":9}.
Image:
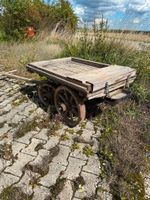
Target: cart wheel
{"x":69,"y":106}
{"x":46,"y":93}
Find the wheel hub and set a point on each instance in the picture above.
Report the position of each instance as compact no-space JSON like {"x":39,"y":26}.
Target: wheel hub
{"x":63,"y":107}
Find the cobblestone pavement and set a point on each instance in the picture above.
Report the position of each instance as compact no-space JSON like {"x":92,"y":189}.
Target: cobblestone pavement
{"x":44,"y":161}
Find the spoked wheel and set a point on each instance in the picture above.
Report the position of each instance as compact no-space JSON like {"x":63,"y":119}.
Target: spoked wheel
{"x":46,"y":93}
{"x":69,"y":106}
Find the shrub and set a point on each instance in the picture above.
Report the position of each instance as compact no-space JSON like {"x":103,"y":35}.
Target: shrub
{"x":17,"y":15}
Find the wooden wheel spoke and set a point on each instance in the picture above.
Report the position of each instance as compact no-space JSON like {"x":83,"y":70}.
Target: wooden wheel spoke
{"x":66,"y":95}
{"x":68,"y":105}
{"x":62,"y":98}
{"x":46,"y":92}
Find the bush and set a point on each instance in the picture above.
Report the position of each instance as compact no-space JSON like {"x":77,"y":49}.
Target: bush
{"x":18,"y":15}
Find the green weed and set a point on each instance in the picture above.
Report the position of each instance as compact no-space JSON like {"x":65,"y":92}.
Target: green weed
{"x":88,"y":151}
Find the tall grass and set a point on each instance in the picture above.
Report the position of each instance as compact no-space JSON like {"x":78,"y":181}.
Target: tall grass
{"x":99,"y":48}
{"x":15,"y":55}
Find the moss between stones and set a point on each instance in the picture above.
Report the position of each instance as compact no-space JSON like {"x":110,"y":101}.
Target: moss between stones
{"x":14,"y":193}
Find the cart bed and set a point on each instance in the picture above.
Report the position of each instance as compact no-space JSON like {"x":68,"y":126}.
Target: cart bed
{"x":89,"y":77}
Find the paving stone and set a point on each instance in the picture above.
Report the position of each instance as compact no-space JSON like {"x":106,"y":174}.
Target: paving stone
{"x":10,"y":136}
{"x":4,"y":163}
{"x":93,"y":165}
{"x":41,"y":193}
{"x":8,"y":90}
{"x":104,"y":191}
{"x":52,"y":142}
{"x":38,"y":161}
{"x":42,"y":134}
{"x":2,"y":119}
{"x":89,"y":188}
{"x":61,"y":158}
{"x":7,"y":180}
{"x":74,"y":168}
{"x":5,"y":129}
{"x":95,"y":145}
{"x":6,"y":109}
{"x":77,"y":153}
{"x":40,"y":111}
{"x":89,"y":125}
{"x":36,"y":114}
{"x":17,"y":147}
{"x":68,"y":142}
{"x":50,"y":178}
{"x":18,"y":165}
{"x":2,"y":98}
{"x":16,"y":119}
{"x":30,"y":149}
{"x":87,"y":135}
{"x":67,"y":192}
{"x":4,"y":103}
{"x":61,"y":130}
{"x":27,"y":181}
{"x":30,"y":109}
{"x":26,"y":138}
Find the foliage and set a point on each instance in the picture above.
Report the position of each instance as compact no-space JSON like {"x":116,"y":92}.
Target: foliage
{"x":18,"y":14}
{"x":94,"y":45}
{"x":88,"y":151}
{"x":123,"y":145}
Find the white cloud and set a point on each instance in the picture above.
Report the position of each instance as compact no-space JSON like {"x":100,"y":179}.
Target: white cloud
{"x":136,"y":21}
{"x":134,"y":12}
{"x":99,"y":20}
{"x":140,"y":6}
{"x":79,"y":10}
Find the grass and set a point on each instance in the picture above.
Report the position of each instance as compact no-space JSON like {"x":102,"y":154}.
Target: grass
{"x":15,"y":55}
{"x":19,"y":101}
{"x":14,"y":193}
{"x":75,"y":146}
{"x":26,"y":127}
{"x":6,"y":151}
{"x":123,"y":146}
{"x":88,"y":151}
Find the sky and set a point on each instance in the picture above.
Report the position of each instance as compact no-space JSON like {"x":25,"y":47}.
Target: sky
{"x":121,"y":14}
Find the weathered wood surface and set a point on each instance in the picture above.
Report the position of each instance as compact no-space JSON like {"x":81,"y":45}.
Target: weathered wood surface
{"x":83,"y":72}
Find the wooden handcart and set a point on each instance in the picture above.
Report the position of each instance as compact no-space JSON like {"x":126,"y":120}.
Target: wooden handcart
{"x":72,"y":81}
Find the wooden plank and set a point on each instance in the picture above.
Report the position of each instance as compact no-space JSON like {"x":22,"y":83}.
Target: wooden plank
{"x":112,"y":81}
{"x":83,"y":88}
{"x":88,"y":62}
{"x":110,"y":75}
{"x":66,"y":65}
{"x":45,"y":62}
{"x":17,"y":77}
{"x":101,"y":93}
{"x":98,"y":74}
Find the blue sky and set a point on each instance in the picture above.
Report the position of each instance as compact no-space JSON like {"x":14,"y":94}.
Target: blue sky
{"x":121,"y":14}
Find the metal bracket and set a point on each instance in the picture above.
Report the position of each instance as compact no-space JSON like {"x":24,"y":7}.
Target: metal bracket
{"x":127,"y":82}
{"x":106,"y":89}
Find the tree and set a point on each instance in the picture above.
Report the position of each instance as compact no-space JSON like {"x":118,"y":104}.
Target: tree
{"x":18,"y":14}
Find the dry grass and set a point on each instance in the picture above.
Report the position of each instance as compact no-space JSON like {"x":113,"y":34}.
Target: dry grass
{"x":17,"y":55}
{"x":123,"y":144}
{"x":139,"y":37}
{"x":135,"y":41}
